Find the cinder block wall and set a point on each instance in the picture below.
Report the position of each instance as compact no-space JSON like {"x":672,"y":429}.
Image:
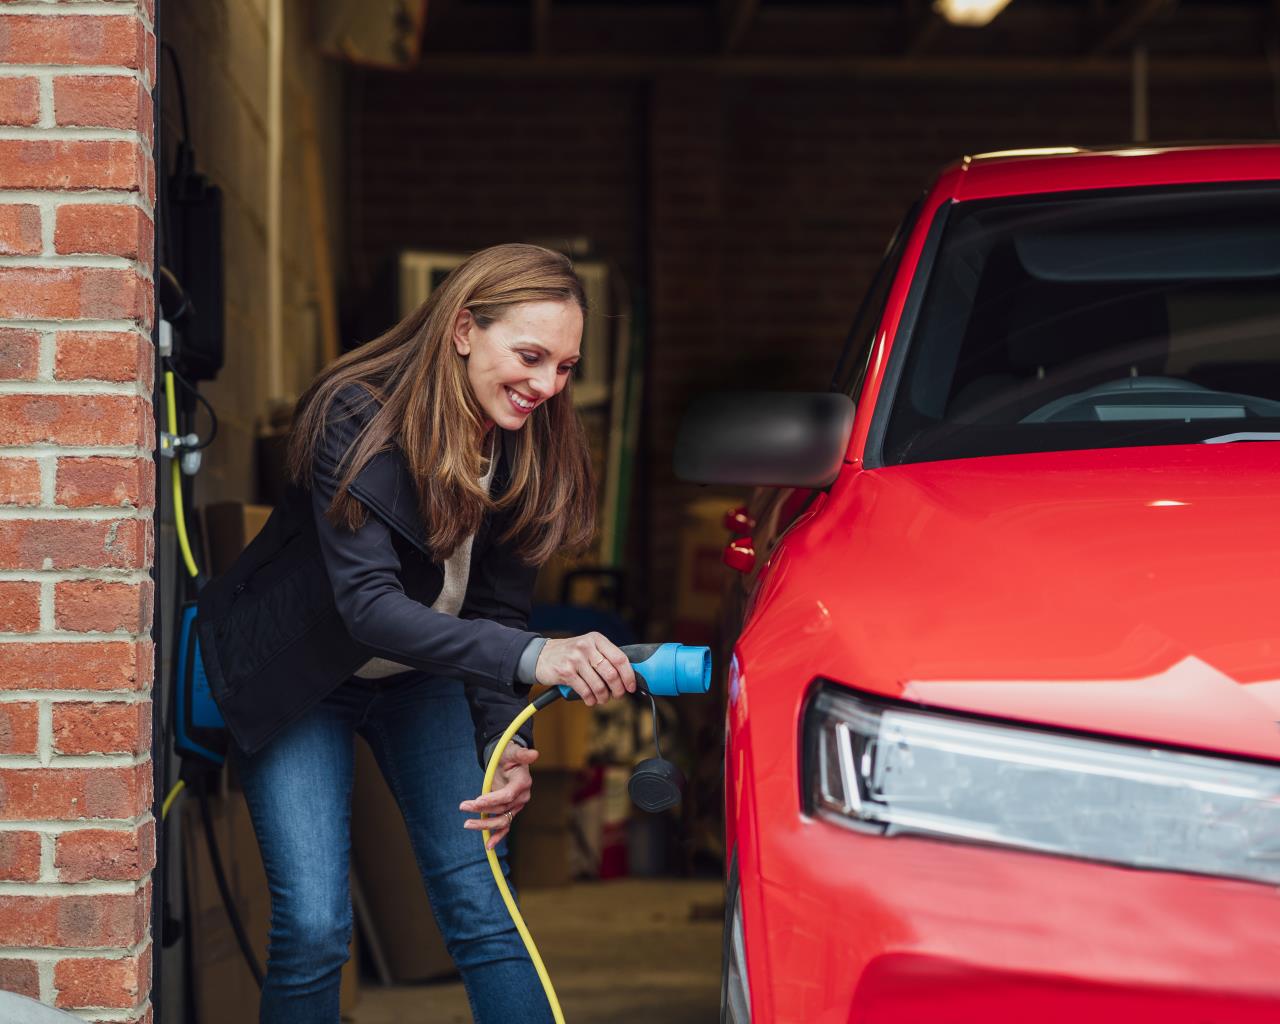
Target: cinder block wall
{"x":77,"y":494}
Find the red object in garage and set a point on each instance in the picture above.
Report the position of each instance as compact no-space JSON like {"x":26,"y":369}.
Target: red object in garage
{"x":1002,"y":737}
{"x":740,"y":554}
{"x":738,"y":522}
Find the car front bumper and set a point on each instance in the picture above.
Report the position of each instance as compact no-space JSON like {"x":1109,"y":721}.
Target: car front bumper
{"x":842,"y":926}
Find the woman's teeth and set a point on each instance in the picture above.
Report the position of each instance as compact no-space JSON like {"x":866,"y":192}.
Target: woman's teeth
{"x":524,"y":405}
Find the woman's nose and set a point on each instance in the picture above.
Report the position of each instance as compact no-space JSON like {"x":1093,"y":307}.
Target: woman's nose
{"x":543,"y":383}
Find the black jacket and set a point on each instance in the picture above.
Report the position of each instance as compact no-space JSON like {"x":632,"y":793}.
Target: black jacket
{"x":307,"y":603}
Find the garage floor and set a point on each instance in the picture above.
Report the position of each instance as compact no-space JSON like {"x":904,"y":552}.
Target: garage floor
{"x":661,"y":939}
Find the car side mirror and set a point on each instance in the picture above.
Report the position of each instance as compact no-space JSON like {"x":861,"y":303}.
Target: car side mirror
{"x":764,"y":439}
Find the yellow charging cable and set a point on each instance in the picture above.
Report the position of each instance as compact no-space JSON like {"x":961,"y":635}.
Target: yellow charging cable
{"x":496,"y":868}
{"x":179,"y":515}
{"x":178,"y":787}
{"x":184,"y":543}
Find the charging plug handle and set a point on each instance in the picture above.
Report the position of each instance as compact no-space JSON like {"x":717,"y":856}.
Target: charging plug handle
{"x":665,"y":670}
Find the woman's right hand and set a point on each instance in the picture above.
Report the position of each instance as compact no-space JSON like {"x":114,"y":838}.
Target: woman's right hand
{"x":590,"y":665}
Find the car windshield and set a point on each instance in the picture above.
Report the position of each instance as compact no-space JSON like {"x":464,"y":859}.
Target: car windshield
{"x":1095,"y":321}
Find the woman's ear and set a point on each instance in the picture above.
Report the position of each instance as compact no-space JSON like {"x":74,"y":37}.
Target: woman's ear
{"x":463,"y":324}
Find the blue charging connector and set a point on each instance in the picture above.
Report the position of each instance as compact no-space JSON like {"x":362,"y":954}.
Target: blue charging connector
{"x":665,"y":670}
{"x":662,"y":670}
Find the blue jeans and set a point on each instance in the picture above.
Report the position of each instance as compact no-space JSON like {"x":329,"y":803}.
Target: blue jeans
{"x":298,"y":790}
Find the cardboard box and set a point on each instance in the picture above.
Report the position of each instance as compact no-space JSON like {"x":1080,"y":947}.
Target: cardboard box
{"x":542,"y":839}
{"x":541,"y":857}
{"x":392,"y":884}
{"x":552,"y":803}
{"x":562,"y":734}
{"x":228,"y":527}
{"x":224,"y":987}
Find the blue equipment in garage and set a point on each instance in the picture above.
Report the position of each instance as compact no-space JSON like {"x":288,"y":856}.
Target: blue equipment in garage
{"x":199,"y":729}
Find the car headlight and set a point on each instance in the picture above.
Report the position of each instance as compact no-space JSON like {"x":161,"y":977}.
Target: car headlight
{"x":893,"y":770}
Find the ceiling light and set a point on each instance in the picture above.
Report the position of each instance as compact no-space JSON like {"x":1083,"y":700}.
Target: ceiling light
{"x":970,"y":13}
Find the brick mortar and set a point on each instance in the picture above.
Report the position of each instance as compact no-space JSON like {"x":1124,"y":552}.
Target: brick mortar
{"x":47,"y":119}
{"x":68,"y":261}
{"x":71,"y":512}
{"x":82,"y":696}
{"x":48,"y":350}
{"x":123,"y":826}
{"x":47,"y":636}
{"x":54,"y":956}
{"x":47,"y":610}
{"x":113,"y":451}
{"x":103,"y":197}
{"x":42,"y":955}
{"x":73,"y":327}
{"x":110,"y":513}
{"x":115,"y":1016}
{"x":45,"y":966}
{"x":29,"y":70}
{"x":96,"y":888}
{"x":48,"y":855}
{"x":55,"y":828}
{"x":104,"y":575}
{"x":48,"y":479}
{"x":45,"y":743}
{"x":63,"y":8}
{"x":53,"y":73}
{"x":66,"y":324}
{"x":48,"y":225}
{"x":75,"y":197}
{"x":73,"y":387}
{"x":69,"y":133}
{"x":25,"y":762}
{"x":26,"y":638}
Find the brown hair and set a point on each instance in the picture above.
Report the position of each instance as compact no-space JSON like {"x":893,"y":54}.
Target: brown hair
{"x":430,"y":411}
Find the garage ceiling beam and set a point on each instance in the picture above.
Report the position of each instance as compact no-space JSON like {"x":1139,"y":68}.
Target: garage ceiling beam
{"x":736,"y":17}
{"x":926,"y":29}
{"x":623,"y":66}
{"x":540,"y":25}
{"x":663,"y":31}
{"x":1128,"y":25}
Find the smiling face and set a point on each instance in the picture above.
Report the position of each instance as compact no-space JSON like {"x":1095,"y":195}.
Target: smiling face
{"x":521,"y":360}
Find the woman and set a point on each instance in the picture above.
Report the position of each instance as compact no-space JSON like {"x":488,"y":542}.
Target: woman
{"x":431,"y":471}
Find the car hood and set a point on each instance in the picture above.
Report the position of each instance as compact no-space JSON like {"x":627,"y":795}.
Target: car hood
{"x":1134,"y":592}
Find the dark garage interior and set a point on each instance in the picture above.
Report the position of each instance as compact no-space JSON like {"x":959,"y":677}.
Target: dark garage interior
{"x":732,"y":170}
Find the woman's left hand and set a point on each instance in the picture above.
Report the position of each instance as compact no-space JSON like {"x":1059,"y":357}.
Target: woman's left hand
{"x":512,"y":787}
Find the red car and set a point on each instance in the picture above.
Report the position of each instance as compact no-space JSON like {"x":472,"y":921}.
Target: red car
{"x":1004,"y":711}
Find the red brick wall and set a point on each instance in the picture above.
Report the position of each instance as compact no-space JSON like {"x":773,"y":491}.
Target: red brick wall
{"x":77,"y":494}
{"x":463,"y":164}
{"x":759,"y":206}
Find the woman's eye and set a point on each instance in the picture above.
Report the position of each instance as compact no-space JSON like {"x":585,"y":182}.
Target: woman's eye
{"x":529,"y":358}
{"x":569,"y":369}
